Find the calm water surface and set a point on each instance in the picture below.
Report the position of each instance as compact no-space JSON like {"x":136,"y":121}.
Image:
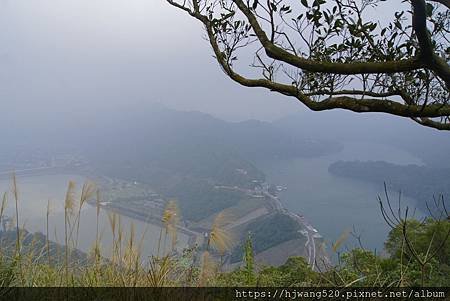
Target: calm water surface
{"x":335,"y":205}
{"x":35,"y":191}
{"x":332,"y":205}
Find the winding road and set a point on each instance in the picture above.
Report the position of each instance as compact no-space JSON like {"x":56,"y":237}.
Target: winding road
{"x":308,"y":231}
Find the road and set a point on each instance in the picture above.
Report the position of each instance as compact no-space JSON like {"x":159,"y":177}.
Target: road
{"x":308,"y":231}
{"x":32,"y":171}
{"x":155,"y":220}
{"x":11,"y":172}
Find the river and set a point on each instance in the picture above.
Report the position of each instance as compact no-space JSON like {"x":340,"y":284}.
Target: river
{"x":335,"y":205}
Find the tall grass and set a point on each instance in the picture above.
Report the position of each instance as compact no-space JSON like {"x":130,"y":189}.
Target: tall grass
{"x":2,"y":211}
{"x":169,"y":220}
{"x":47,"y":232}
{"x":18,"y":248}
{"x":126,"y":265}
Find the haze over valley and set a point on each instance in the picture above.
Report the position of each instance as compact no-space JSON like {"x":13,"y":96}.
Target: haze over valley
{"x":224,"y":143}
{"x":142,"y":159}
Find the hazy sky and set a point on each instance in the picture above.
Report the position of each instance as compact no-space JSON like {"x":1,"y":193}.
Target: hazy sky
{"x":72,"y":55}
{"x":60,"y":56}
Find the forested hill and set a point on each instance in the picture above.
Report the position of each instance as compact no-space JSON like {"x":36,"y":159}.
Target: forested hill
{"x":185,"y":154}
{"x":157,"y":129}
{"x":418,"y":182}
{"x":181,"y":154}
{"x":193,"y":143}
{"x":350,"y":127}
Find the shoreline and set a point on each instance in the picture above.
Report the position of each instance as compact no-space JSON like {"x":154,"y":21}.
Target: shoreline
{"x":273,"y":205}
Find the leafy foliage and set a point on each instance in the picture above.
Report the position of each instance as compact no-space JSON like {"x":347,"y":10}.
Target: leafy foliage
{"x":315,"y":50}
{"x":265,"y":235}
{"x":364,"y":268}
{"x":418,"y":256}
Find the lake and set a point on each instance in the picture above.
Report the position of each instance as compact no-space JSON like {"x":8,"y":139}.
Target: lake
{"x":34,"y":193}
{"x":334,"y":205}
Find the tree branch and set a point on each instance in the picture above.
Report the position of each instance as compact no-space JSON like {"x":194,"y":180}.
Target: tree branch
{"x":280,"y":54}
{"x":427,"y":54}
{"x":443,"y":2}
{"x":370,"y":101}
{"x":432,"y":124}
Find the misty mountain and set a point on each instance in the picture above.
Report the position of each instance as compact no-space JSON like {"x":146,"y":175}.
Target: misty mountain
{"x":159,"y":129}
{"x":185,"y":154}
{"x":175,"y":140}
{"x":424,"y":184}
{"x":181,"y":154}
{"x":432,"y":146}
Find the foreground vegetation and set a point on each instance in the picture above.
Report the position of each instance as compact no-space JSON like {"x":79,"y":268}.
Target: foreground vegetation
{"x":418,"y":254}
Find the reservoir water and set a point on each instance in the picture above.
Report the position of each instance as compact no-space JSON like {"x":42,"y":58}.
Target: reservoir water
{"x":34,"y":193}
{"x":335,"y":205}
